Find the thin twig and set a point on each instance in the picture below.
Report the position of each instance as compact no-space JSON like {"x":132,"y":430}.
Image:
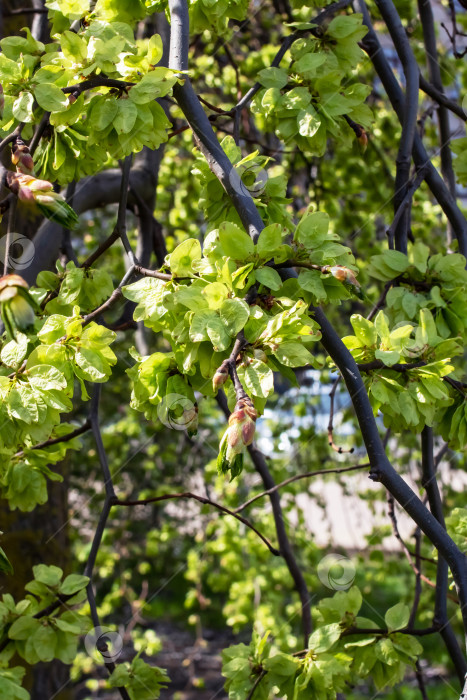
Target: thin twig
{"x":154,"y":273}
{"x":112,"y":300}
{"x":105,"y":245}
{"x":55,"y":441}
{"x":256,"y":684}
{"x":204,"y":501}
{"x":298,"y":477}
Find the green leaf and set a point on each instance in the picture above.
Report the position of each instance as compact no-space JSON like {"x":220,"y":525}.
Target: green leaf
{"x":46,"y":378}
{"x":419,"y":256}
{"x":45,"y":641}
{"x":426,"y":332}
{"x":5,"y":564}
{"x":22,"y":107}
{"x":345,"y":25}
{"x":103,"y":112}
{"x":49,"y":575}
{"x":397,"y":617}
{"x":73,"y":583}
{"x":269,"y":239}
{"x":10,"y":678}
{"x":14,"y":352}
{"x":293,"y":355}
{"x":91,"y":364}
{"x":74,"y":47}
{"x":215,"y":294}
{"x":182,"y":259}
{"x":198,"y":327}
{"x":259,"y":379}
{"x":234,"y":314}
{"x":389,"y":357}
{"x":308,"y":122}
{"x":155,"y":84}
{"x":73,"y":9}
{"x":50,"y":97}
{"x":23,"y":627}
{"x":312,"y":229}
{"x":269,"y":277}
{"x":126,"y":116}
{"x":218,"y":334}
{"x":364,"y":330}
{"x":310,"y":281}
{"x":235,"y":242}
{"x":273,"y":77}
{"x":389,"y":265}
{"x":381,"y":326}
{"x":325,"y":637}
{"x":308,"y":63}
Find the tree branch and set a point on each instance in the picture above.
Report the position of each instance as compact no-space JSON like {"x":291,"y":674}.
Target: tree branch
{"x":430,"y":484}
{"x":371,"y":45}
{"x":409,"y":117}
{"x":188,"y":102}
{"x":381,"y":469}
{"x":429,"y":37}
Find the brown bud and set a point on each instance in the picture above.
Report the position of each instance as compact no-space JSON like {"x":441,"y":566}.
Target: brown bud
{"x":21,"y":157}
{"x":220,"y":377}
{"x":363,"y":140}
{"x":341,"y":273}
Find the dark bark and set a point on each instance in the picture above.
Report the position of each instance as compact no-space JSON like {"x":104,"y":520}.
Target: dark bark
{"x":409,"y":117}
{"x":433,"y":179}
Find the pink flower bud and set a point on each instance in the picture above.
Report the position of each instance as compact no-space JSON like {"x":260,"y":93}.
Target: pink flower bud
{"x":40,"y":185}
{"x":25,"y":195}
{"x":241,"y":430}
{"x":341,"y":273}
